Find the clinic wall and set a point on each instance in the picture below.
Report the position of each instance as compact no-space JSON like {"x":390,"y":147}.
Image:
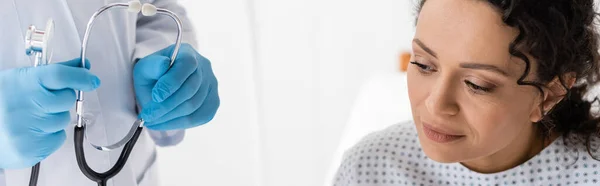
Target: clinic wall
{"x":313,"y":56}
{"x":288,"y":72}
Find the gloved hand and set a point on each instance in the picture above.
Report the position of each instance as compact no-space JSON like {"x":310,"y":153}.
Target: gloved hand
{"x":184,"y":96}
{"x":34,"y":110}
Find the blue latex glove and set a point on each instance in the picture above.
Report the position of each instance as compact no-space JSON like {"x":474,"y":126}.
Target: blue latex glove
{"x":34,"y":110}
{"x":184,"y":96}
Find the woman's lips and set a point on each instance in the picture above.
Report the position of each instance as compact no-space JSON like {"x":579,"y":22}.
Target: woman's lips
{"x":439,"y":136}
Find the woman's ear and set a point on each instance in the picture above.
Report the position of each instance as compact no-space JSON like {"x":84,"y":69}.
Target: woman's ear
{"x":556,"y":91}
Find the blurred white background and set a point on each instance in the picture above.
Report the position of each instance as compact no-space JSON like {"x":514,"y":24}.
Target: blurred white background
{"x":290,"y":73}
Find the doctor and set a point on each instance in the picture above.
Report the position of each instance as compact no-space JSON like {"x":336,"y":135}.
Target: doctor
{"x":129,"y":78}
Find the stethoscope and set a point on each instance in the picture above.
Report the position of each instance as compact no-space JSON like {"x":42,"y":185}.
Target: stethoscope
{"x":38,"y":45}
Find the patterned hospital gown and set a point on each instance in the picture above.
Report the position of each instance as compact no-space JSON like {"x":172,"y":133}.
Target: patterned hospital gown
{"x":393,"y":157}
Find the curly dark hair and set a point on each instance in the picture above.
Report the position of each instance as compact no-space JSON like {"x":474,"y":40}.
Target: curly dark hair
{"x":561,"y":36}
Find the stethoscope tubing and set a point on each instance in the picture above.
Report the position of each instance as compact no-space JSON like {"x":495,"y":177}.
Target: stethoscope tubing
{"x":101,"y":178}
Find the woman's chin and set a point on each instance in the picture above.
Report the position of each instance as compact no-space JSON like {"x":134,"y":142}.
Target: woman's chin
{"x":440,"y":155}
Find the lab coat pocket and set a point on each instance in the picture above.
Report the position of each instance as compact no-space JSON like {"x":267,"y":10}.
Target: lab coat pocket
{"x":149,"y":177}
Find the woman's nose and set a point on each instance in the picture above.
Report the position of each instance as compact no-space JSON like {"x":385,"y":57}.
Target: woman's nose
{"x":442,"y":100}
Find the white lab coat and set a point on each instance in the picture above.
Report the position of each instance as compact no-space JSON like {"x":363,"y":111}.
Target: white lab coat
{"x":117,"y":39}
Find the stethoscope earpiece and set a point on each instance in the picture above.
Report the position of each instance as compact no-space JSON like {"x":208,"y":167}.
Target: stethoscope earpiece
{"x":149,"y":10}
{"x":134,"y":6}
{"x":146,"y":9}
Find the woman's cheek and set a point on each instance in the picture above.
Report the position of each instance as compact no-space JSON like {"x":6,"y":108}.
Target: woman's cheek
{"x":418,"y":86}
{"x":486,"y":123}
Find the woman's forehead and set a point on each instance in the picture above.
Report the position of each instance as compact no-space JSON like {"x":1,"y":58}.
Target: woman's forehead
{"x":473,"y":31}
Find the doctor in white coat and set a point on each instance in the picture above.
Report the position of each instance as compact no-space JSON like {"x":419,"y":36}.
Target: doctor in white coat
{"x":129,"y":78}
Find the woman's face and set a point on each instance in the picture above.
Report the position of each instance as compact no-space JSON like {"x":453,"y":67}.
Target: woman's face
{"x":462,"y":83}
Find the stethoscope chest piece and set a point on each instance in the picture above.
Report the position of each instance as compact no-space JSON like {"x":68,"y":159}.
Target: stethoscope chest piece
{"x":38,"y":43}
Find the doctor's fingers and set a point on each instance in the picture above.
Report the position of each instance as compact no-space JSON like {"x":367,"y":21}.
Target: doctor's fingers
{"x":149,"y":69}
{"x":58,"y":77}
{"x":76,"y":63}
{"x":38,"y":148}
{"x":188,"y":91}
{"x":54,"y":101}
{"x":173,"y":79}
{"x":51,"y":143}
{"x":27,"y":124}
{"x":203,"y":115}
{"x":52,"y":123}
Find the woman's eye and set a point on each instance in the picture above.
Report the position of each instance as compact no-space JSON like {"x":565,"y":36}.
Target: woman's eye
{"x":476,"y":88}
{"x":422,"y":67}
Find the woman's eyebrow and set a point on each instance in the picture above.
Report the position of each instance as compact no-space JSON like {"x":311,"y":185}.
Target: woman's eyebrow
{"x":469,"y":65}
{"x":424,"y":47}
{"x":479,"y":66}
